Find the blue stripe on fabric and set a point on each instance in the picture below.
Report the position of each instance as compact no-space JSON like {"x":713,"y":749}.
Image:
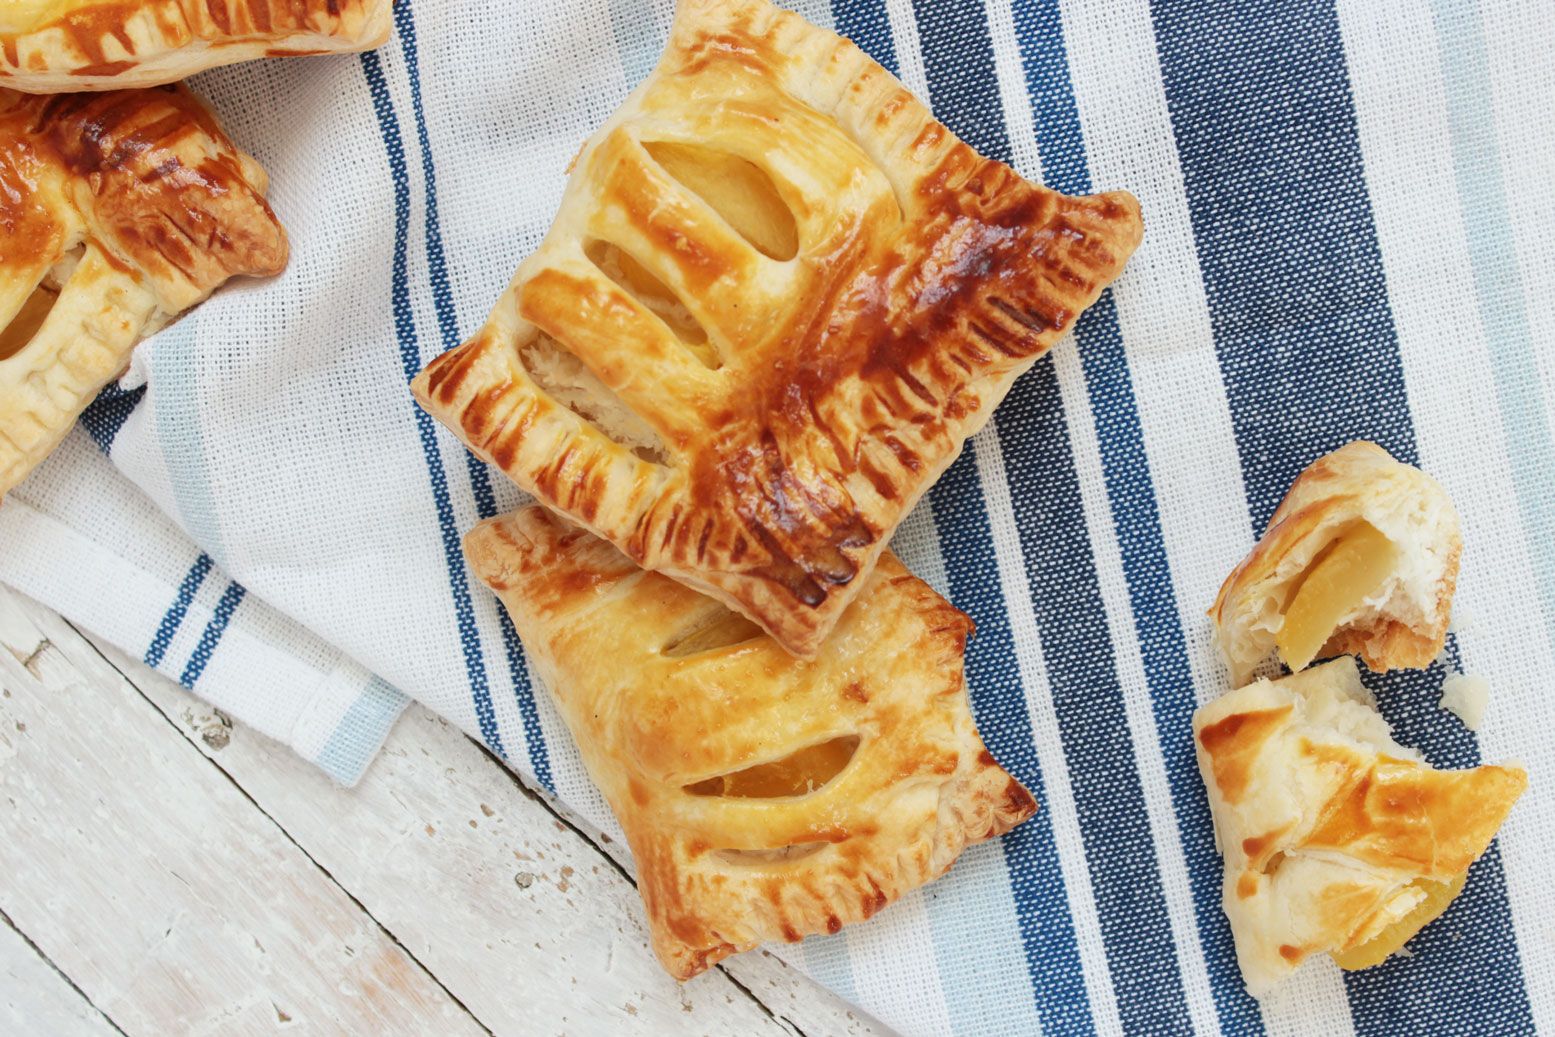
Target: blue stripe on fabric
{"x":410,"y":358}
{"x":211,"y":636}
{"x":360,"y":733}
{"x":108,"y":413}
{"x":1260,"y":102}
{"x":867,"y":24}
{"x":1136,"y":516}
{"x":982,"y":994}
{"x":448,"y":328}
{"x":174,"y":617}
{"x":999,"y":704}
{"x":826,"y":959}
{"x":1066,"y":595}
{"x":1030,"y":852}
{"x":1498,"y":284}
{"x":639,"y":39}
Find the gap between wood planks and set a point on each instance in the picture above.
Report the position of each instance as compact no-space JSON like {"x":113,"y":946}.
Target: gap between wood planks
{"x":769,"y":972}
{"x":44,"y":961}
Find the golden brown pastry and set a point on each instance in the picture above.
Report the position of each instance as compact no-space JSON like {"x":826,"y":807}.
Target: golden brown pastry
{"x":61,"y":46}
{"x":764,"y":798}
{"x":1337,"y":840}
{"x":776,"y":300}
{"x":118,"y":212}
{"x":1361,"y":556}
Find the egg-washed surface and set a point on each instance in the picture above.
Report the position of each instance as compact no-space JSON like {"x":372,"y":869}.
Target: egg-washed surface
{"x":1337,"y":840}
{"x":764,"y":798}
{"x":776,"y":300}
{"x":121,"y":211}
{"x":1361,"y":556}
{"x":55,"y":46}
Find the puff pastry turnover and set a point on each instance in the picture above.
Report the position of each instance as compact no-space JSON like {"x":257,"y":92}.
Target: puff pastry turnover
{"x":60,"y":46}
{"x":777,"y":298}
{"x":118,"y":211}
{"x":764,"y":798}
{"x":1337,"y":840}
{"x":1361,"y":556}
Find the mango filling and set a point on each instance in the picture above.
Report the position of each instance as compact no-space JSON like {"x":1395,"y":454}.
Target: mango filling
{"x":1346,"y":573}
{"x":797,"y":774}
{"x":743,"y":194}
{"x":1377,"y":949}
{"x":27,"y":321}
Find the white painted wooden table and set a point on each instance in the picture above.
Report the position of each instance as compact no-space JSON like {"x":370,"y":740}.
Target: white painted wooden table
{"x":163,"y":872}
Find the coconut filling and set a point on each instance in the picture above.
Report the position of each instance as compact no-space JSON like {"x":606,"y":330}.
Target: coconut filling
{"x":1352,"y":568}
{"x":1438,"y":895}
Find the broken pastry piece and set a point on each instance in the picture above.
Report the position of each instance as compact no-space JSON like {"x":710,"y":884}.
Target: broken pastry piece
{"x":777,"y":299}
{"x":1337,"y":840}
{"x":121,"y":210}
{"x":63,"y":46}
{"x":1361,"y":557}
{"x":764,"y":798}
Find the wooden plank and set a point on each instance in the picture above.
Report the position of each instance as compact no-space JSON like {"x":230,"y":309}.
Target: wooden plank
{"x":36,"y":998}
{"x":523,"y":920}
{"x":149,"y":879}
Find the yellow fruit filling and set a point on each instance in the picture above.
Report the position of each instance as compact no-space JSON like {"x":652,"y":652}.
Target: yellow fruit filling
{"x":742,"y":193}
{"x":723,"y":630}
{"x":1377,"y":949}
{"x":653,"y":293}
{"x":27,"y":321}
{"x":794,"y":775}
{"x":1346,"y":573}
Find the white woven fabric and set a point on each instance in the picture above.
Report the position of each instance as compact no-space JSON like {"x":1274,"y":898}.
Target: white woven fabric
{"x":1350,"y":234}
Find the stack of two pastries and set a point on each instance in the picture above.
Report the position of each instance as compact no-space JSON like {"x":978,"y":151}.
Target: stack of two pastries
{"x":777,"y":299}
{"x":122,"y":202}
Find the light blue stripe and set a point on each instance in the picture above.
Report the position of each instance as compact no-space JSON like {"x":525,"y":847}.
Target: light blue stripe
{"x":639,"y":37}
{"x":826,"y":959}
{"x":360,"y":733}
{"x":1498,"y":285}
{"x":175,"y":389}
{"x":990,"y":991}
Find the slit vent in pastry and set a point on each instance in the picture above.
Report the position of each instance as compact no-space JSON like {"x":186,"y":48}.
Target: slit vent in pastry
{"x":65,"y":46}
{"x":1337,"y":840}
{"x":122,"y":210}
{"x":811,"y":293}
{"x":764,"y":798}
{"x":1361,"y":556}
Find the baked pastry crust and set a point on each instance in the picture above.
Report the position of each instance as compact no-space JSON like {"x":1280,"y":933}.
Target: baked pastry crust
{"x":62,"y":46}
{"x":720,"y":874}
{"x":1329,"y":828}
{"x":768,"y":466}
{"x":132,"y":206}
{"x":1404,"y":625}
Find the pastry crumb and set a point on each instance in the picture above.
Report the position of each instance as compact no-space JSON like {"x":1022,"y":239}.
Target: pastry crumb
{"x":1466,"y":696}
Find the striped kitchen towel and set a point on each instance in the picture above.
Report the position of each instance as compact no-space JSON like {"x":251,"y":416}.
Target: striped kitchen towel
{"x":1351,"y":234}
